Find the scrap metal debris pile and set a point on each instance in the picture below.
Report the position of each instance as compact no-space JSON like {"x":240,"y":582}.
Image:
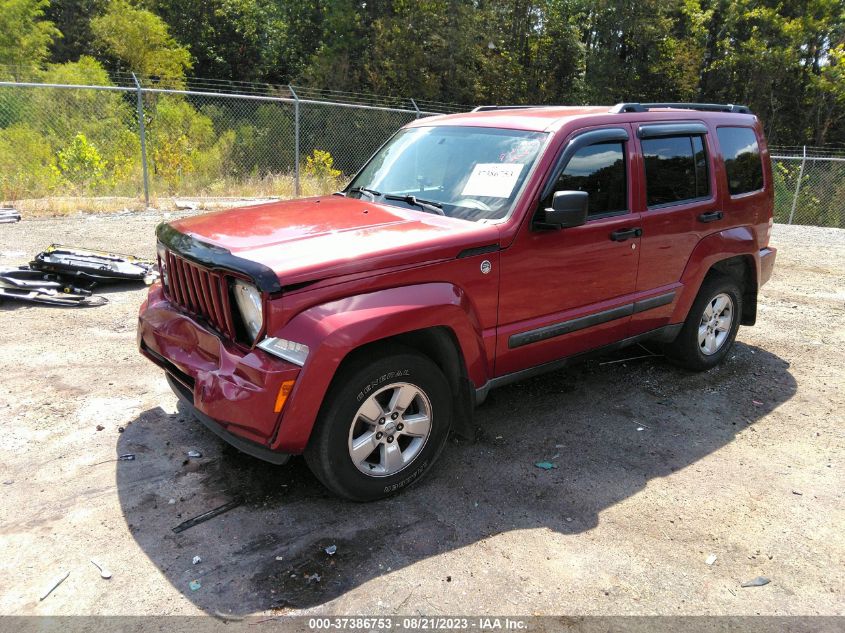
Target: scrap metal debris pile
{"x":67,"y":276}
{"x":9,"y":216}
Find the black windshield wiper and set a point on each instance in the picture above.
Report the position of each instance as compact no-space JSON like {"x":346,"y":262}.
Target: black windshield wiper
{"x":370,"y":192}
{"x":425,"y":205}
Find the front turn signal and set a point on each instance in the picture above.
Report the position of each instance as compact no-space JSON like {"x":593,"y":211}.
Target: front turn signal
{"x":284,"y":392}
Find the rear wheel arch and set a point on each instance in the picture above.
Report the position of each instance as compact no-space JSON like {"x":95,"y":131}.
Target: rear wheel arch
{"x":742,"y":269}
{"x":710,"y":327}
{"x":732,"y":253}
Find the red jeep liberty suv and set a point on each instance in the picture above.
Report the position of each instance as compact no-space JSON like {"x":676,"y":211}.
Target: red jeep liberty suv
{"x":471,"y":251}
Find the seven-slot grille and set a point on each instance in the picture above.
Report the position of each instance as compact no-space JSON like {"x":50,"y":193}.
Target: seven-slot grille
{"x":201,"y":291}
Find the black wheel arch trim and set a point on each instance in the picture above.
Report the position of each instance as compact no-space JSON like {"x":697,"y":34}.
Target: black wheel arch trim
{"x":216,"y":257}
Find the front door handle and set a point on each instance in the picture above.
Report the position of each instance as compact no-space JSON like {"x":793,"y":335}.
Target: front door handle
{"x":623,"y":234}
{"x":712,"y":216}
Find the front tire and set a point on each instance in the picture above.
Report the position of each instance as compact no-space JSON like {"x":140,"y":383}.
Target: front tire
{"x":382,"y":426}
{"x":711,"y":325}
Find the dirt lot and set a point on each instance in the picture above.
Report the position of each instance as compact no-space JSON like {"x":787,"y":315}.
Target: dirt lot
{"x":656,"y":470}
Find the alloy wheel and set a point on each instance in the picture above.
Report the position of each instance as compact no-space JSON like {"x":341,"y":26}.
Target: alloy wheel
{"x":390,"y":429}
{"x":715,"y":325}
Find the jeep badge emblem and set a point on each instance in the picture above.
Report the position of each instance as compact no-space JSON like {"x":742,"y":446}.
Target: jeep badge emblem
{"x":486,"y":266}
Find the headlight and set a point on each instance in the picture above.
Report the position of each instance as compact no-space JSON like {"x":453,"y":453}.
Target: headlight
{"x":162,"y":263}
{"x":249,"y":304}
{"x":289,"y":350}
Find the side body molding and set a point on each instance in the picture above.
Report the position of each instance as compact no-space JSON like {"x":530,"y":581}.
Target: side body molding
{"x":711,"y":249}
{"x":334,"y":329}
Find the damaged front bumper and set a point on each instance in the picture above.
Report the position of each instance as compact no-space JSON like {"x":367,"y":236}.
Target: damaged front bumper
{"x":232,"y":389}
{"x":246,"y":446}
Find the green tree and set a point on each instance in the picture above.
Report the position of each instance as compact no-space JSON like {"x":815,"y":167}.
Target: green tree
{"x":27,"y":163}
{"x":827,"y":87}
{"x":241,"y":40}
{"x":106,"y":120}
{"x":141,"y":40}
{"x":25,"y":37}
{"x":73,"y":19}
{"x":530,"y":52}
{"x":81,"y":164}
{"x":414,"y":48}
{"x":781,"y":59}
{"x":178,"y":135}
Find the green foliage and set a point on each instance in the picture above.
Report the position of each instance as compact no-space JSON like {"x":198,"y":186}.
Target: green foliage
{"x":27,"y":163}
{"x":241,"y":39}
{"x":422,"y":62}
{"x":89,"y":136}
{"x":343,"y":38}
{"x":81,"y":164}
{"x":784,"y":176}
{"x":73,"y":19}
{"x":178,"y":135}
{"x":141,"y":40}
{"x":320,"y":164}
{"x":784,"y":59}
{"x":25,"y":37}
{"x":263,"y":140}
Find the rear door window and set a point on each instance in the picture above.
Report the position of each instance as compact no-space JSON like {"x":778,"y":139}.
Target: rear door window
{"x":675,"y":169}
{"x":742,"y":159}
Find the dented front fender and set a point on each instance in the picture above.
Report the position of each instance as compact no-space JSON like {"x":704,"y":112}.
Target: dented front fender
{"x":334,"y":329}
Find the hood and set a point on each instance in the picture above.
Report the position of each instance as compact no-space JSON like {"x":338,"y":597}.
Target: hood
{"x":315,"y":238}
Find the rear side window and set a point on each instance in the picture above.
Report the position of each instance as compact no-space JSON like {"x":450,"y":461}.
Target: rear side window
{"x":600,"y":171}
{"x":742,"y":159}
{"x":675,"y":169}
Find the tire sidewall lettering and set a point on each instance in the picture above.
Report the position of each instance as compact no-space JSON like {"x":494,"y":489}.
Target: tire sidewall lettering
{"x":374,"y":384}
{"x":409,"y":479}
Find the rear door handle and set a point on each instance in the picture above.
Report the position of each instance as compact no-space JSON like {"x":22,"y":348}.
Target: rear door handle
{"x":623,"y":234}
{"x":712,"y":216}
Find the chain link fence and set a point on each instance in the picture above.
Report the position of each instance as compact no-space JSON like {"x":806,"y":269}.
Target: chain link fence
{"x":65,"y":146}
{"x":809,"y":185}
{"x":211,"y":141}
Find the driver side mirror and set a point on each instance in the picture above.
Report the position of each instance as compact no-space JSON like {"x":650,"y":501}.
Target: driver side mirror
{"x":569,"y":209}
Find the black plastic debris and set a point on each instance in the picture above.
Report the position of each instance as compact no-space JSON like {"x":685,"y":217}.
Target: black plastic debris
{"x":34,"y":286}
{"x":205,"y":516}
{"x":9,"y":216}
{"x":95,"y":266}
{"x":65,"y":276}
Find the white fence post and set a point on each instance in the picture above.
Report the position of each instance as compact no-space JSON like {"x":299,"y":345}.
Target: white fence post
{"x":143,"y":136}
{"x":798,"y":185}
{"x":296,"y":188}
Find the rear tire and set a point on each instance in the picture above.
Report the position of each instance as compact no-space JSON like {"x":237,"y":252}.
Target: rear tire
{"x":383,"y":423}
{"x":711,"y":325}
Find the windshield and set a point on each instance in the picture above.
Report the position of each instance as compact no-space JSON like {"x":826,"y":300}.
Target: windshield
{"x":473,"y":173}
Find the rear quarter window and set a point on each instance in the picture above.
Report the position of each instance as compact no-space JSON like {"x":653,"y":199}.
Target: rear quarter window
{"x":742,"y":159}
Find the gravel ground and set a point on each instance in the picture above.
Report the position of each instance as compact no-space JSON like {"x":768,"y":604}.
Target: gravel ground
{"x":657,"y":469}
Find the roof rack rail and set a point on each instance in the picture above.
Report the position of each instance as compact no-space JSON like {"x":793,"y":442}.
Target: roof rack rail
{"x":706,"y":107}
{"x":489,"y":108}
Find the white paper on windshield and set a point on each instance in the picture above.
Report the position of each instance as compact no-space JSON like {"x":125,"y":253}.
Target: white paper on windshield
{"x":494,"y":180}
